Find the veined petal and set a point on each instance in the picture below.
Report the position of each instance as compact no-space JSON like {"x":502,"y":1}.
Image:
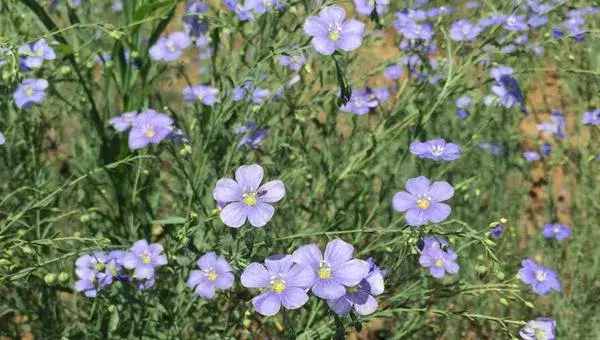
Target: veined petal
{"x":227,"y":190}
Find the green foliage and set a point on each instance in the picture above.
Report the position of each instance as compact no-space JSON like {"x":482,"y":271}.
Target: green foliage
{"x":69,"y":184}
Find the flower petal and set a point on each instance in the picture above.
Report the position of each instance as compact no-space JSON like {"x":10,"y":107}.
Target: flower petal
{"x":403,"y":201}
{"x":207,"y":260}
{"x":328,"y":289}
{"x":351,"y":273}
{"x":323,"y":45}
{"x":437,"y":212}
{"x":234,"y":215}
{"x":260,"y":214}
{"x":415,"y":217}
{"x":272,"y":191}
{"x":338,"y":252}
{"x":309,"y":255}
{"x":267,"y":304}
{"x":301,"y":275}
{"x":440,"y":191}
{"x":367,"y":308}
{"x":227,"y":190}
{"x":418,"y":186}
{"x":293,"y":297}
{"x":224,"y":280}
{"x":340,"y":306}
{"x":249,"y":177}
{"x":205,"y":290}
{"x":255,"y":276}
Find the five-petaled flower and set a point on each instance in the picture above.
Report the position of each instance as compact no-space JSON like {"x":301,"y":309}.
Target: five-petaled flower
{"x":542,"y":279}
{"x":171,"y":47}
{"x":436,"y":149}
{"x":215,"y":273}
{"x":31,"y":91}
{"x":284,"y":283}
{"x":246,"y":199}
{"x":35,"y":54}
{"x":149,"y":127}
{"x":422,"y":202}
{"x":335,"y":270}
{"x":331,"y":33}
{"x":144,"y":258}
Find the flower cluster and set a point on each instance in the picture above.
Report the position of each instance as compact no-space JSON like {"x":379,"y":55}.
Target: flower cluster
{"x":147,"y":127}
{"x":438,"y":257}
{"x":346,"y":283}
{"x":98,"y":270}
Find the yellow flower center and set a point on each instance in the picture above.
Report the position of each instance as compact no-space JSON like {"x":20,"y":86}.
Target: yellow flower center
{"x":324,"y":273}
{"x":40,"y":52}
{"x":371,"y":2}
{"x":353,"y":289}
{"x":540,"y":275}
{"x":146,"y":259}
{"x":28,"y":91}
{"x":278,"y":286}
{"x":99,"y":266}
{"x":250,"y":199}
{"x":439,"y":262}
{"x":212,"y":275}
{"x":199,"y":96}
{"x":150,"y":132}
{"x":423,"y":204}
{"x":335,"y":36}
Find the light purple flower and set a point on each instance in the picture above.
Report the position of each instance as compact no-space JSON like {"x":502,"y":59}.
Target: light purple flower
{"x":557,"y":231}
{"x":438,"y":261}
{"x":94,"y":273}
{"x":531,"y":156}
{"x":556,"y":126}
{"x":293,"y":62}
{"x":124,"y":121}
{"x":331,"y":33}
{"x":422,"y":202}
{"x":36,"y":53}
{"x":393,"y":72}
{"x":411,"y":29}
{"x":205,"y":94}
{"x":29,"y":92}
{"x":492,"y":19}
{"x":259,"y":95}
{"x":194,"y":18}
{"x":591,"y":117}
{"x":171,"y":47}
{"x":537,"y":20}
{"x":335,"y":270}
{"x":246,"y":198}
{"x":542,"y":279}
{"x":360,"y":102}
{"x":149,"y":127}
{"x":464,"y":30}
{"x":381,"y":94}
{"x":284,"y":282}
{"x":515,"y":22}
{"x":539,"y":329}
{"x":436,"y":149}
{"x":463,"y":102}
{"x":215,"y":273}
{"x":366,"y":7}
{"x":2,"y":139}
{"x":144,"y":258}
{"x":362,"y":296}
